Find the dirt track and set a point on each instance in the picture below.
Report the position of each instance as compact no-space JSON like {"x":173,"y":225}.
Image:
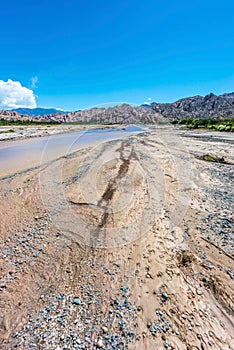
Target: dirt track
{"x":123,"y":245}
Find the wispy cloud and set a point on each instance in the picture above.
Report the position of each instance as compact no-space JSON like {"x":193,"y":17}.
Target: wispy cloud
{"x":148,"y":102}
{"x":34,"y":81}
{"x":14,"y":95}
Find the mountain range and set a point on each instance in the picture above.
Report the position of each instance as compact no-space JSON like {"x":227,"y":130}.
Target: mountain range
{"x":211,"y":105}
{"x":38,"y":111}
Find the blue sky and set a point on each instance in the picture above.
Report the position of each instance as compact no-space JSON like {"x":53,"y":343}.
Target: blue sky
{"x":76,"y":54}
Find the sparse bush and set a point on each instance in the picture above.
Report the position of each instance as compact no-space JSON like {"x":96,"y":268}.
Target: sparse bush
{"x":212,"y":158}
{"x":207,"y":123}
{"x":185,"y":258}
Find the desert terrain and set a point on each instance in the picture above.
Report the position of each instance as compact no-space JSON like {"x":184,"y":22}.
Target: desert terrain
{"x":125,"y":244}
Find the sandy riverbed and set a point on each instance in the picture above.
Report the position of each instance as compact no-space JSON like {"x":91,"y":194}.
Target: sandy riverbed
{"x":122,"y":245}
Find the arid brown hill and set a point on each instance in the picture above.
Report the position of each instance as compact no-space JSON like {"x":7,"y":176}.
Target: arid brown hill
{"x":122,"y":114}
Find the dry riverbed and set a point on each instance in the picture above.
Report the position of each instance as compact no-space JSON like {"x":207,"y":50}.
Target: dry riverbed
{"x":127,"y":244}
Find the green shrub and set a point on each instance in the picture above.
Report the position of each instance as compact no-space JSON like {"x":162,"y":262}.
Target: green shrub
{"x":225,"y":124}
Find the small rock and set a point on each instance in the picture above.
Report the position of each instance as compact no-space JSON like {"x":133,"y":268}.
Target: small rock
{"x":100,"y":343}
{"x":105,"y":329}
{"x":164,"y":296}
{"x":199,"y":292}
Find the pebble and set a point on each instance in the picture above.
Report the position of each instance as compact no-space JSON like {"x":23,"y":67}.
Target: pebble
{"x":100,"y":343}
{"x":199,"y":292}
{"x":164,"y":296}
{"x":105,"y":329}
{"x":58,"y":322}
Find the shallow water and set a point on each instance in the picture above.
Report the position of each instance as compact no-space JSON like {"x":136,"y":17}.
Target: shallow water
{"x":23,"y":154}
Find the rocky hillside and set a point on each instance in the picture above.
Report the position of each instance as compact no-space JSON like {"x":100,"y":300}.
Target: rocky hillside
{"x":12,"y":115}
{"x":197,"y":107}
{"x":16,"y":116}
{"x":117,"y":115}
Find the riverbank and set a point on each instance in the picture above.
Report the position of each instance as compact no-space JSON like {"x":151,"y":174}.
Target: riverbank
{"x":21,"y":132}
{"x":123,"y":245}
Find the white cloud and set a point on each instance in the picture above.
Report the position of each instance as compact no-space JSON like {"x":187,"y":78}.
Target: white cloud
{"x":34,"y":81}
{"x":148,"y":102}
{"x":14,"y":95}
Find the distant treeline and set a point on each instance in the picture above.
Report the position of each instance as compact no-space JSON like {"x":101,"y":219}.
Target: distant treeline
{"x":7,"y":122}
{"x":4,"y":122}
{"x":207,"y":123}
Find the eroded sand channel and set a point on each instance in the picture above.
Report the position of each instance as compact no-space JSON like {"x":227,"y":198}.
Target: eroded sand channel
{"x":123,"y":245}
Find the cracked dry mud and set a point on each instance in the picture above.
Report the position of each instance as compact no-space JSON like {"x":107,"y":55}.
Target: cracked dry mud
{"x":124,"y":245}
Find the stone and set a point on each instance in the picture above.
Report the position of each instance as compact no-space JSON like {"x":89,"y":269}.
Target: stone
{"x":199,"y":292}
{"x":105,"y":329}
{"x":164,"y":296}
{"x":100,"y":343}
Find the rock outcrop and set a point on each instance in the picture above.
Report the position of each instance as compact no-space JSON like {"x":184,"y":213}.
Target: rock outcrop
{"x":122,"y":114}
{"x":197,"y":107}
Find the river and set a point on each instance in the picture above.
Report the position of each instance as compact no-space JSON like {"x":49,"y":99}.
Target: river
{"x":24,"y":154}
